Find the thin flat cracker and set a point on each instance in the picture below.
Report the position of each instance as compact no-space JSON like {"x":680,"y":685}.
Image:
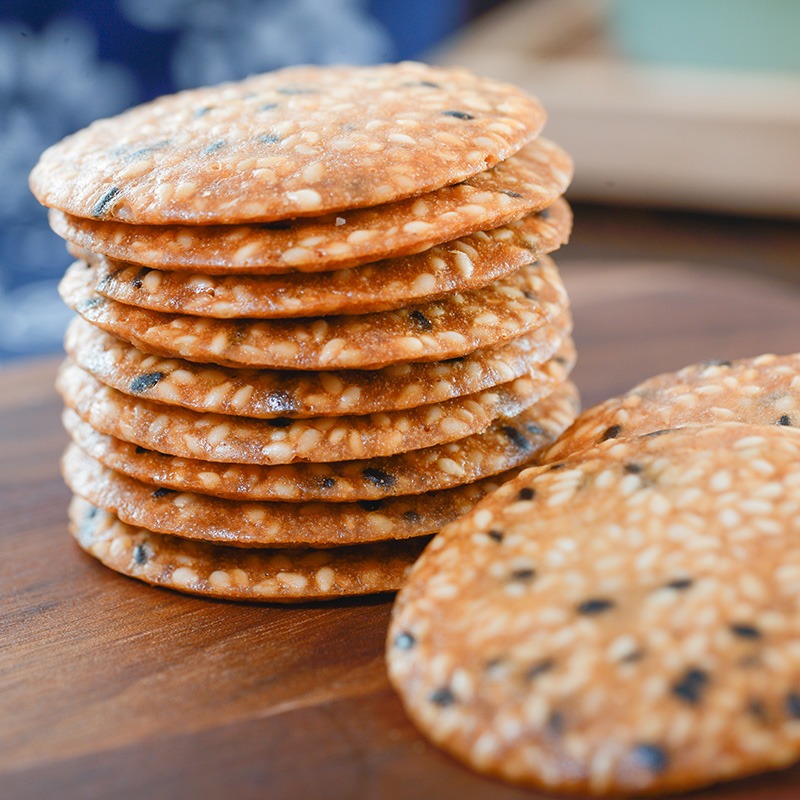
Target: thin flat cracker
{"x":300,"y":141}
{"x":234,"y":573}
{"x":505,"y":444}
{"x":528,"y":181}
{"x":257,"y":524}
{"x":626,"y":624}
{"x":764,"y":390}
{"x":468,"y":263}
{"x":214,"y":437}
{"x":448,"y":328}
{"x":268,"y":393}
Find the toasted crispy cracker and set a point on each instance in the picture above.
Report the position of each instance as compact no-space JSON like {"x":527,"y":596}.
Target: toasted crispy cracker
{"x":300,"y":141}
{"x":624,"y":624}
{"x":235,"y":573}
{"x":527,"y":182}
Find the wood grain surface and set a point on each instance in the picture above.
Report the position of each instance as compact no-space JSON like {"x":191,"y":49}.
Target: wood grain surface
{"x":112,"y":689}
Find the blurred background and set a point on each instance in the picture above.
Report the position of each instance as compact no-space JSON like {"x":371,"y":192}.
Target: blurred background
{"x":670,"y":104}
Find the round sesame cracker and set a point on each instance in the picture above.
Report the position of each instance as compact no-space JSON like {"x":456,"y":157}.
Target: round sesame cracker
{"x":241,"y":440}
{"x":448,"y":328}
{"x":300,"y":141}
{"x":505,"y":444}
{"x":265,"y":393}
{"x":256,"y":524}
{"x":625,"y":621}
{"x":764,"y":390}
{"x":234,"y":573}
{"x":528,"y":181}
{"x":468,"y":263}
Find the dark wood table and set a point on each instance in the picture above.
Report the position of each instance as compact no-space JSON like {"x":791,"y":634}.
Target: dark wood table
{"x":112,"y":689}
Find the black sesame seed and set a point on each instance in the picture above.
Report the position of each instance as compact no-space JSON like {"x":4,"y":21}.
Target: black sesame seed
{"x":534,"y":429}
{"x":526,"y":493}
{"x":652,"y":757}
{"x":632,"y":657}
{"x":370,"y":505}
{"x":785,"y":420}
{"x":510,"y":193}
{"x":280,"y":422}
{"x":213,"y":147}
{"x":268,"y":106}
{"x":411,"y":517}
{"x":92,"y":512}
{"x":404,"y":641}
{"x":141,"y":383}
{"x":523,"y":574}
{"x":556,"y":467}
{"x":379,"y":478}
{"x":493,"y":663}
{"x":495,"y":535}
{"x":716,"y":362}
{"x":420,"y":320}
{"x":140,"y":554}
{"x":327,"y":483}
{"x":528,"y":294}
{"x":429,"y":84}
{"x":544,"y":213}
{"x":458,"y":114}
{"x":269,"y":138}
{"x":539,"y":668}
{"x":597,"y":605}
{"x":793,"y":705}
{"x":147,"y":150}
{"x":162,"y":491}
{"x":92,"y":303}
{"x":136,"y":280}
{"x":633,"y":469}
{"x":103,"y":204}
{"x":680,"y":583}
{"x":201,"y":112}
{"x":691,"y":685}
{"x":611,"y":433}
{"x":443,"y":697}
{"x":556,"y":723}
{"x":516,"y":438}
{"x":757,"y":709}
{"x":746,"y":631}
{"x":140,"y":449}
{"x":295,"y":90}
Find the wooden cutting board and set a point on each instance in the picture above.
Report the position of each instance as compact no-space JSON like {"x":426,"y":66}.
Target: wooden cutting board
{"x":112,"y":689}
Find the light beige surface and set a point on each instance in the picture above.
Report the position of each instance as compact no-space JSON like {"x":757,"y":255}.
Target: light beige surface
{"x":680,"y":137}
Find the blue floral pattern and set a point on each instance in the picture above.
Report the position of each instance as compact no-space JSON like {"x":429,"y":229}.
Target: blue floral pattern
{"x":69,"y":62}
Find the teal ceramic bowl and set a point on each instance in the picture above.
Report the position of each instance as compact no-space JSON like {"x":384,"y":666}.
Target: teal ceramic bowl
{"x":729,"y":34}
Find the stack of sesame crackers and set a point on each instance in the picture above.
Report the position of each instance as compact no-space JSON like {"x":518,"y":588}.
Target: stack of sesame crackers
{"x":316,"y":322}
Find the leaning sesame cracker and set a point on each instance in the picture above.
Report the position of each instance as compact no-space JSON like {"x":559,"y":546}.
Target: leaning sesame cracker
{"x":763,"y":390}
{"x":624,"y":621}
